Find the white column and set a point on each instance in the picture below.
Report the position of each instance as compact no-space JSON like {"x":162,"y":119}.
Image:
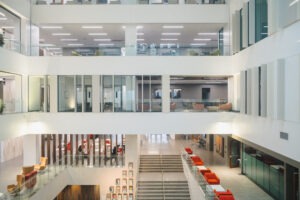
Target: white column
{"x":271,"y":87}
{"x":130,"y":40}
{"x":245,"y":25}
{"x":242,"y":92}
{"x":251,"y":16}
{"x":264,"y":90}
{"x":280,"y":85}
{"x":249,"y":92}
{"x":53,"y":93}
{"x":25,"y":36}
{"x":254,"y":91}
{"x":132,"y":151}
{"x":165,"y":93}
{"x":96,"y":93}
{"x":31,"y":151}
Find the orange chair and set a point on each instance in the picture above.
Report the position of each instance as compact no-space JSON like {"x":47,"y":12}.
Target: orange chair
{"x":14,"y":189}
{"x":225,"y":107}
{"x":198,"y":106}
{"x":197,"y":161}
{"x":212,"y":178}
{"x":188,"y":150}
{"x":204,"y":171}
{"x":29,"y":175}
{"x":42,"y":165}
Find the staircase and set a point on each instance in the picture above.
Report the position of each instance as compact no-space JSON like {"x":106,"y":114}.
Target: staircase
{"x":160,"y":163}
{"x":161,"y":189}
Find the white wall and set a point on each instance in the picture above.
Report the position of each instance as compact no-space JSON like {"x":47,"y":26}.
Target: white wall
{"x":131,"y":65}
{"x":138,"y":14}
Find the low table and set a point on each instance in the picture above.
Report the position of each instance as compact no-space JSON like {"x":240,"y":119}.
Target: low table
{"x":201,"y":167}
{"x":218,"y":188}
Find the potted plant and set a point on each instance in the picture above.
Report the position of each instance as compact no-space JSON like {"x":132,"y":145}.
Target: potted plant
{"x":1,"y":40}
{"x":2,"y":106}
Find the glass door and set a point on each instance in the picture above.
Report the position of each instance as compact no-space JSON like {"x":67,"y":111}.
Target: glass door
{"x":234,"y":154}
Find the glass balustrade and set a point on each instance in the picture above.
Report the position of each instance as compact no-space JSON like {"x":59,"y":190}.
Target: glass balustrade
{"x":31,"y":183}
{"x":155,"y":2}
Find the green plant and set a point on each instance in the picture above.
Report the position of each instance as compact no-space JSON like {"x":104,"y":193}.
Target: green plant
{"x":1,"y":40}
{"x":2,"y":106}
{"x":215,"y":53}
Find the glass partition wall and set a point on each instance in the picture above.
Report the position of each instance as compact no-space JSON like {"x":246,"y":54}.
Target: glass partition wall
{"x":198,"y":94}
{"x":10,"y":93}
{"x":117,"y":93}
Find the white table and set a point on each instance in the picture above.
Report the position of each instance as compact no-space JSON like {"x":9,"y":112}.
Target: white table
{"x":201,"y":167}
{"x":218,"y":188}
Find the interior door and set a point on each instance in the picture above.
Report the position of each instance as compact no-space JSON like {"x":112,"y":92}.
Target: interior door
{"x":234,"y":153}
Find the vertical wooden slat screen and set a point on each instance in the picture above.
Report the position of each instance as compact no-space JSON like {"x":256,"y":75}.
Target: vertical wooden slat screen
{"x":54,"y":148}
{"x":82,"y":157}
{"x":66,"y":150}
{"x":110,"y":149}
{"x":94,"y":149}
{"x":59,"y":148}
{"x":71,"y":149}
{"x":48,"y":148}
{"x":43,"y":145}
{"x":88,"y":148}
{"x":76,"y":146}
{"x":100,"y":137}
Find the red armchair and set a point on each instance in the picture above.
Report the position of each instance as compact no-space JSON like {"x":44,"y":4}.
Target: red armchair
{"x":204,"y":171}
{"x":188,"y":150}
{"x":227,"y":192}
{"x":212,"y":178}
{"x":30,"y":176}
{"x":226,"y":197}
{"x":197,"y":160}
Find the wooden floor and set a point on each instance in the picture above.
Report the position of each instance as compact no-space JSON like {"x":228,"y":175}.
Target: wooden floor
{"x":79,"y":192}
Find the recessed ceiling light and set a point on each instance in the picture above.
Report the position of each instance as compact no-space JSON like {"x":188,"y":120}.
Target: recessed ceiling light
{"x":75,"y":44}
{"x":139,"y":27}
{"x":107,"y":44}
{"x":7,"y":27}
{"x":294,"y":2}
{"x":2,"y":14}
{"x":51,"y":27}
{"x":123,"y":27}
{"x":68,"y":39}
{"x":177,"y":26}
{"x":47,"y":45}
{"x":92,"y":27}
{"x":207,"y":33}
{"x":102,"y":39}
{"x":169,"y":39}
{"x":198,"y":44}
{"x":139,"y":33}
{"x":3,"y":18}
{"x":202,"y":39}
{"x":54,"y":48}
{"x":167,"y":44}
{"x":170,"y":33}
{"x":97,"y":33}
{"x":140,"y":39}
{"x":60,"y":34}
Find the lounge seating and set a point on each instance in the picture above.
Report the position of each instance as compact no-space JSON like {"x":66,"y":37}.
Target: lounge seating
{"x":197,"y":161}
{"x":42,"y":165}
{"x":226,"y":197}
{"x":29,"y":175}
{"x":198,"y":106}
{"x":212,"y":178}
{"x":173,"y":106}
{"x":188,"y":150}
{"x":227,"y":192}
{"x":225,"y":107}
{"x":14,"y":189}
{"x":204,"y":171}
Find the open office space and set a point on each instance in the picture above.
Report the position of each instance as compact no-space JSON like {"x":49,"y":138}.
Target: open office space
{"x":158,"y":99}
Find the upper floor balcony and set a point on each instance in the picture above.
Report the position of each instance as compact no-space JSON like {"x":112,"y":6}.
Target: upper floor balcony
{"x":156,"y":2}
